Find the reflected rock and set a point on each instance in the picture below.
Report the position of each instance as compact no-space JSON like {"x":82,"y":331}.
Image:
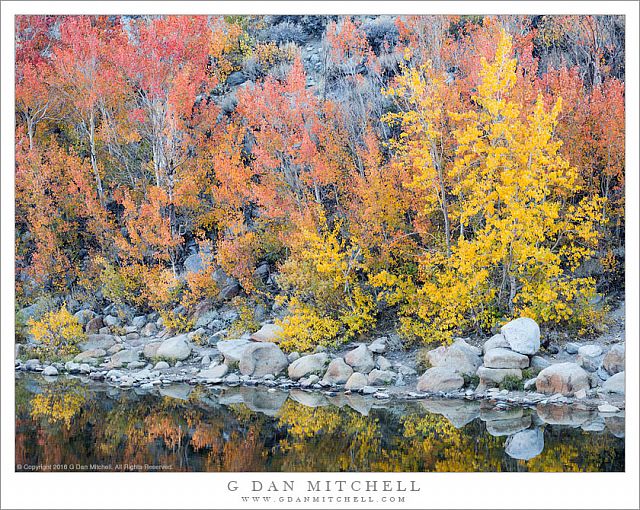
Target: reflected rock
{"x":359,"y":403}
{"x":509,"y":426}
{"x":309,"y":399}
{"x":491,"y":414}
{"x":525,"y":445}
{"x":263,"y":401}
{"x":563,"y":415}
{"x":458,"y":412}
{"x":615,"y":425}
{"x":180,"y":391}
{"x":595,"y":425}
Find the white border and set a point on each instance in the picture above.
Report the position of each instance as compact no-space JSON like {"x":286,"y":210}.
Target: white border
{"x":207,"y":490}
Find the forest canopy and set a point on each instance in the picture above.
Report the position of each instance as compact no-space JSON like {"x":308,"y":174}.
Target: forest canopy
{"x":443,"y":174}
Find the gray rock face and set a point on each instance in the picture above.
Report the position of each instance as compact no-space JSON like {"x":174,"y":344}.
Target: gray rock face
{"x":539,"y":363}
{"x":311,"y":364}
{"x":590,"y":350}
{"x":174,"y":348}
{"x":458,"y":357}
{"x":379,"y":345}
{"x":494,"y":342}
{"x":615,"y":383}
{"x":571,"y":348}
{"x":357,"y":381}
{"x":139,"y":321}
{"x":522,"y":335}
{"x":97,"y":341}
{"x":111,"y":320}
{"x":360,"y":359}
{"x":232,"y":349}
{"x":259,"y":359}
{"x":193,"y":263}
{"x":214,"y":372}
{"x":525,"y":445}
{"x":268,"y":333}
{"x":494,"y":376}
{"x":91,"y":353}
{"x":505,"y":358}
{"x":50,"y":371}
{"x":338,"y":372}
{"x":383,"y":363}
{"x":380,"y":377}
{"x":151,"y":350}
{"x":440,"y":379}
{"x":565,"y":378}
{"x":613,"y":361}
{"x":124,"y":356}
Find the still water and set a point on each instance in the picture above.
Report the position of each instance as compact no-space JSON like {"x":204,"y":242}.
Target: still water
{"x":179,"y":428}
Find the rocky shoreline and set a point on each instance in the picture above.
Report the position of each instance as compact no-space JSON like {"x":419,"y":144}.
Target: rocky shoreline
{"x":509,"y":369}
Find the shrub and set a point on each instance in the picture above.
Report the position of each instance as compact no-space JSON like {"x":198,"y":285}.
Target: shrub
{"x":282,"y":33}
{"x":177,"y":322}
{"x":512,"y":383}
{"x":58,"y":331}
{"x":246,"y":321}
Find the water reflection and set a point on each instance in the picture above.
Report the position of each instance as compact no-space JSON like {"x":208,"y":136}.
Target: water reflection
{"x":252,"y":429}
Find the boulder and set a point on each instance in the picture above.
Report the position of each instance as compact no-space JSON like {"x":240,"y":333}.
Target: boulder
{"x":149,"y":329}
{"x":229,"y":291}
{"x":72,"y":367}
{"x":338,"y":372}
{"x":591,"y":351}
{"x":232,"y":349}
{"x":525,"y":445}
{"x":440,"y":379}
{"x":495,"y":376}
{"x":383,"y":363}
{"x":522,"y":335}
{"x":361,"y":359}
{"x":380,"y":377}
{"x":458,"y":356}
{"x":218,"y":371}
{"x":139,"y":322}
{"x":94,"y":325}
{"x":539,"y":363}
{"x":50,"y":371}
{"x":571,"y":348}
{"x":259,"y":359}
{"x":494,"y":342}
{"x":111,"y":320}
{"x":91,"y":353}
{"x":565,"y":378}
{"x":311,"y":364}
{"x":357,"y":381}
{"x":379,"y":345}
{"x":615,"y":383}
{"x":150,"y":350}
{"x":84,"y":316}
{"x":193,"y":264}
{"x":124,"y":356}
{"x":97,"y":342}
{"x":174,"y":348}
{"x":161,"y":365}
{"x":268,"y":333}
{"x":613,"y":361}
{"x":505,"y":358}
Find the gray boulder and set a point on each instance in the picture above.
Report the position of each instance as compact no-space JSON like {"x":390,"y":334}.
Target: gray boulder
{"x":494,"y":342}
{"x":571,"y":348}
{"x":525,"y":445}
{"x":613,"y":361}
{"x":124,"y":356}
{"x":505,"y":358}
{"x":218,"y":371}
{"x":379,"y":345}
{"x":259,"y":359}
{"x":193,"y":264}
{"x":383,"y":363}
{"x":91,"y":353}
{"x":440,"y":379}
{"x":111,"y":320}
{"x":84,"y":316}
{"x":361,"y":359}
{"x":338,"y":372}
{"x":161,"y":365}
{"x":380,"y":377}
{"x":615,"y":384}
{"x":311,"y":364}
{"x":149,"y":329}
{"x":458,"y":356}
{"x":50,"y":371}
{"x":150,"y":350}
{"x":174,"y":348}
{"x":232,"y":349}
{"x":268,"y":333}
{"x":565,"y":378}
{"x":94,"y":325}
{"x":522,"y":335}
{"x":539,"y":363}
{"x":357,"y":381}
{"x":97,"y":341}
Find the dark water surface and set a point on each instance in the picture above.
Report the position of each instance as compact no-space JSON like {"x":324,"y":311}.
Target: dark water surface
{"x":64,"y":424}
